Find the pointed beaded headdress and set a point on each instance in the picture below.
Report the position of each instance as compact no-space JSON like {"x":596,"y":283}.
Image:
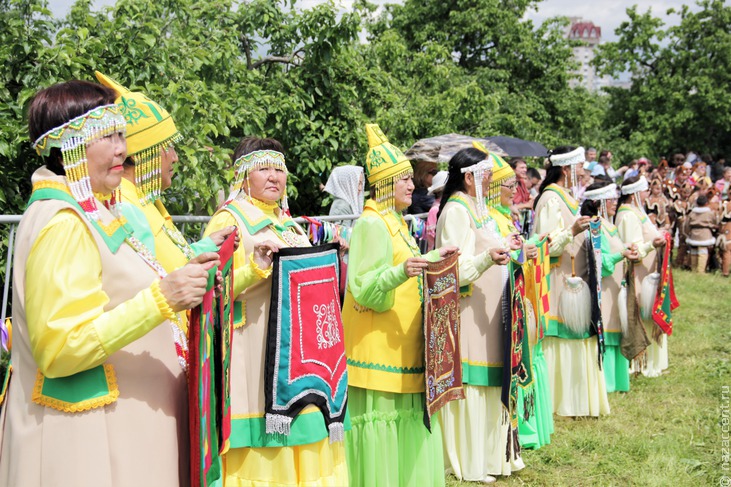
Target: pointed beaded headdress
{"x":385,"y":164}
{"x":256,"y":160}
{"x":150,"y":130}
{"x":72,"y":138}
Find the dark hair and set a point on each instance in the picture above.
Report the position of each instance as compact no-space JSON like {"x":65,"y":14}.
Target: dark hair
{"x":60,"y":103}
{"x":252,"y":143}
{"x":604,"y":153}
{"x":625,"y":197}
{"x":421,"y":170}
{"x":515,"y":161}
{"x":533,"y":173}
{"x":553,"y":173}
{"x":455,"y":179}
{"x":678,"y":160}
{"x":701,"y":200}
{"x":604,"y":160}
{"x":602,"y":178}
{"x":591,"y":207}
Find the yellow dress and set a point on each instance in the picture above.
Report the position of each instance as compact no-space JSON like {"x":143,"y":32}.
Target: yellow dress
{"x":154,"y":227}
{"x":257,"y":459}
{"x":388,"y":443}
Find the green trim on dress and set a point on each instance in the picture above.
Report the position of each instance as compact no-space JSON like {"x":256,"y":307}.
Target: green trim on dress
{"x":556,"y":328}
{"x":569,"y":200}
{"x":482,"y":375}
{"x":306,"y":428}
{"x":385,"y":368}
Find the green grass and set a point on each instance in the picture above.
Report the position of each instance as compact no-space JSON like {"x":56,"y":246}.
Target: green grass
{"x":665,"y":431}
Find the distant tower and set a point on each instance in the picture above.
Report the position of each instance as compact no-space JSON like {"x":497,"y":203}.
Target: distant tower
{"x":591,"y":36}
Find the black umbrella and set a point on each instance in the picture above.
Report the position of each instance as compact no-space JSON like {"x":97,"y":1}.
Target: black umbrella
{"x":519,"y":147}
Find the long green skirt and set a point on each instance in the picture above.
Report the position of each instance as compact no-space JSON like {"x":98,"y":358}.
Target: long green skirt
{"x":389,"y":444}
{"x":616,"y":369}
{"x":537,"y":431}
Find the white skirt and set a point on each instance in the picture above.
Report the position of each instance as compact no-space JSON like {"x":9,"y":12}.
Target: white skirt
{"x":657,"y":357}
{"x":578,"y":386}
{"x":475,"y":438}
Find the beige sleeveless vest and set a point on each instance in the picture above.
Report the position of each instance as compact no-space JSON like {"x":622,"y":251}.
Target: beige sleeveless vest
{"x":611,"y":285}
{"x":563,"y":267}
{"x":250,"y":335}
{"x":142,"y":438}
{"x":481,"y":310}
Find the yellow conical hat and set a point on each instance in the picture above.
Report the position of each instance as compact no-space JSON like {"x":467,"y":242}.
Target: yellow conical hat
{"x":501,"y":170}
{"x":384,"y":160}
{"x":148,"y":124}
{"x":150,"y":128}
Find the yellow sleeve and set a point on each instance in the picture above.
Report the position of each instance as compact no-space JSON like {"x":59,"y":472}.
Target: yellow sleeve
{"x":68,"y":329}
{"x":457,"y":231}
{"x":244,"y":273}
{"x":549,"y":220}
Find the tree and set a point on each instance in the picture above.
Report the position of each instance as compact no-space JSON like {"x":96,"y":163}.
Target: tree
{"x":681,"y":91}
{"x":483,"y":70}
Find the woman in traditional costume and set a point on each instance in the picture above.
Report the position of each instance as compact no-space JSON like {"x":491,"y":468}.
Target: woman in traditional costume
{"x":148,"y":170}
{"x":601,"y":200}
{"x":577,"y":383}
{"x":635,"y":228}
{"x":479,"y":441}
{"x":382,"y":318}
{"x":257,"y":207}
{"x":98,"y":392}
{"x":534,"y":407}
{"x":682,"y":209}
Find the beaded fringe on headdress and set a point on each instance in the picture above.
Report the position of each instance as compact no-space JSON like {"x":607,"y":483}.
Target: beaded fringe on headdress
{"x":72,"y":138}
{"x":478,"y":171}
{"x":148,"y":170}
{"x":638,"y":202}
{"x":256,"y":160}
{"x":384,"y":191}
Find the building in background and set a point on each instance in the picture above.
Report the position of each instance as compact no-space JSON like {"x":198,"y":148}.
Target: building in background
{"x":590,"y":36}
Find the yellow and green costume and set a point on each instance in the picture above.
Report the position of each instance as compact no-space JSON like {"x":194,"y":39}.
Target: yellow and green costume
{"x":388,"y":443}
{"x":305,"y":456}
{"x":97,"y":390}
{"x":535,"y":431}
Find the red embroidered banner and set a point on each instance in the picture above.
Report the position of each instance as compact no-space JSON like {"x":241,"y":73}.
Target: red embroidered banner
{"x":305,"y":362}
{"x":442,"y":357}
{"x":665,"y":300}
{"x":209,"y":363}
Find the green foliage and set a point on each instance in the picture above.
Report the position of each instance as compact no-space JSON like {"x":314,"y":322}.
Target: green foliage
{"x":681,"y":97}
{"x":227,"y":69}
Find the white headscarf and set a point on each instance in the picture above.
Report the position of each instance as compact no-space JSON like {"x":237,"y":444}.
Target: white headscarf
{"x":343,"y":183}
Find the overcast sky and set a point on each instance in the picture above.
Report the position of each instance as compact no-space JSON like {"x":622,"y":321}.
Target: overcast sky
{"x":607,"y":14}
